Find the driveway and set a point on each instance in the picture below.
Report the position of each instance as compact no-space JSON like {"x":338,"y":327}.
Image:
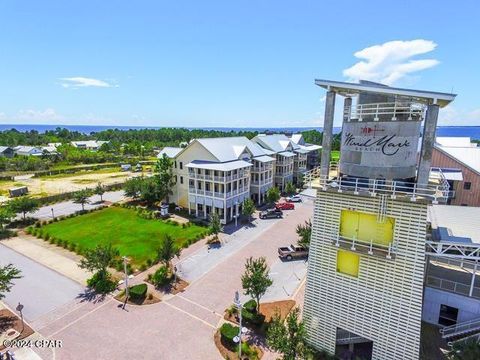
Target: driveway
{"x":41,"y":289}
{"x":181,"y":326}
{"x":69,"y":207}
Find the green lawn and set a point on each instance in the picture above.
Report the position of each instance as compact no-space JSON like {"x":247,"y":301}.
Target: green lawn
{"x":335,"y":155}
{"x":132,"y":235}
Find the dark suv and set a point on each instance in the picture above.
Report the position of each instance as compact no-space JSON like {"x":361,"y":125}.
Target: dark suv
{"x":271,"y":213}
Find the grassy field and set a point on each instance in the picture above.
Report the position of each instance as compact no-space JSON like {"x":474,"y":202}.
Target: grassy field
{"x":133,"y":236}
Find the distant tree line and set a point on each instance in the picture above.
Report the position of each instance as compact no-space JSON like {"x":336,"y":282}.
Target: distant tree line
{"x":122,"y":144}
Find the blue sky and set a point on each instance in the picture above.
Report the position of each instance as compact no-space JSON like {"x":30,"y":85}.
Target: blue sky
{"x":226,"y":63}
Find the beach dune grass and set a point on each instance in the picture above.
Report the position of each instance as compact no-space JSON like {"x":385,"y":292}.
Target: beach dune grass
{"x":132,"y":235}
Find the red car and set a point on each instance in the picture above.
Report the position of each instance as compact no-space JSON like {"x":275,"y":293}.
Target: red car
{"x":285,"y":206}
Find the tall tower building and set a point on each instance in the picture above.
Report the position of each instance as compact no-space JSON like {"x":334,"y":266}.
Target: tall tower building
{"x":367,"y":254}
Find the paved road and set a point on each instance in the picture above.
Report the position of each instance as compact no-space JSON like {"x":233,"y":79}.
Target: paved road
{"x":68,"y":207}
{"x":40,"y":289}
{"x":192,"y":316}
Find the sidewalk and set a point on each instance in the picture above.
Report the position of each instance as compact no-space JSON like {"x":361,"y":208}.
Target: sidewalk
{"x":60,"y":260}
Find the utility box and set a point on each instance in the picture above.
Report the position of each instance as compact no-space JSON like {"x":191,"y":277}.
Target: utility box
{"x":18,"y":191}
{"x":164,"y":210}
{"x":126,"y":167}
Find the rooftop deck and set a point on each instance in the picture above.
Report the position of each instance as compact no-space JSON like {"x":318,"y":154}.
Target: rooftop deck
{"x":436,"y":191}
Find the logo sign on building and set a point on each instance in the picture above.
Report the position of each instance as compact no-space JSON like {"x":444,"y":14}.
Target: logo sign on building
{"x":381,"y":143}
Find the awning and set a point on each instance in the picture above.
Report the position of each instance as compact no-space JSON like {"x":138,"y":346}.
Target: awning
{"x":226,"y":166}
{"x":286,"y":153}
{"x":264,"y":159}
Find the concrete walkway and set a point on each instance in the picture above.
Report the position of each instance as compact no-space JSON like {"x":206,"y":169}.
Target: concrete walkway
{"x":53,"y":257}
{"x":69,"y":207}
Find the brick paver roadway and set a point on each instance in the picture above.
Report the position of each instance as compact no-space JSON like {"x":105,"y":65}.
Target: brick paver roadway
{"x":180,"y":327}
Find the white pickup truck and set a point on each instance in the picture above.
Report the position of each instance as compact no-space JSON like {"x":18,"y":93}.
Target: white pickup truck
{"x":292,"y":251}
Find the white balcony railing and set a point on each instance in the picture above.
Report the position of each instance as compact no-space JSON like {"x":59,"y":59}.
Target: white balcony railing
{"x":372,"y":187}
{"x":365,"y":247}
{"x":452,"y":286}
{"x":393,"y":111}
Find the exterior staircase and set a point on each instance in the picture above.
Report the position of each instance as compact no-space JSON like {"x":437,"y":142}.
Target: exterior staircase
{"x":461,"y":330}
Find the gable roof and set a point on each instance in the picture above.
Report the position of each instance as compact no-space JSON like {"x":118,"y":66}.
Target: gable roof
{"x":276,"y":142}
{"x":230,"y":148}
{"x":170,"y":151}
{"x":298,"y":139}
{"x":468,"y":156}
{"x":5,"y":148}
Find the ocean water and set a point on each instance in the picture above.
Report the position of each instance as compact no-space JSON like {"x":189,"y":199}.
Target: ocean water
{"x":455,"y":131}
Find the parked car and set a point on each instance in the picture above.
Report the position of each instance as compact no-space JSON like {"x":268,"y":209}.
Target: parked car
{"x":292,"y":251}
{"x":271,"y":213}
{"x":285,"y":206}
{"x":294,"y":198}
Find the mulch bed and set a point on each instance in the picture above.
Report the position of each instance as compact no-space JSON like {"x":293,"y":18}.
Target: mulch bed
{"x":227,"y":353}
{"x":268,"y":309}
{"x":282,"y":307}
{"x":9,"y":320}
{"x":173,"y":288}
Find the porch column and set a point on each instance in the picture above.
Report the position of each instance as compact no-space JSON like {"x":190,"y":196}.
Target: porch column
{"x":428,"y":141}
{"x":196,"y":208}
{"x":472,"y":283}
{"x":327,"y":133}
{"x":224,"y":213}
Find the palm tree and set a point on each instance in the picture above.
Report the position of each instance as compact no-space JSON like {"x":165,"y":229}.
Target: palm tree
{"x":168,"y":250}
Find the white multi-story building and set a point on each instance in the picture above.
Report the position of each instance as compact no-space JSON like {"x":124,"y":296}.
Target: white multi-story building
{"x":365,"y":280}
{"x":218,"y":174}
{"x":312,"y":150}
{"x":291,"y":158}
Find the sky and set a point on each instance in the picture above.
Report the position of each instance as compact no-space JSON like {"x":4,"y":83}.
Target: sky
{"x":226,"y":63}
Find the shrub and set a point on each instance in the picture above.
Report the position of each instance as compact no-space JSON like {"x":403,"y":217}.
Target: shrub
{"x":72,"y":247}
{"x":138,"y":292}
{"x":250,"y":314}
{"x":149,"y":262}
{"x":227,"y":333}
{"x":101,"y":283}
{"x":250,"y":305}
{"x":143,"y":267}
{"x":161,"y":277}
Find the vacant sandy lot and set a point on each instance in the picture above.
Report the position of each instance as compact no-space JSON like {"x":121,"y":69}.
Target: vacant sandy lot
{"x":56,"y":184}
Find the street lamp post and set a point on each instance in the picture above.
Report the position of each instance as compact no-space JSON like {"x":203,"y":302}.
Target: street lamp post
{"x":238,"y":304}
{"x":53,"y":215}
{"x":19,"y":308}
{"x":125,"y":262}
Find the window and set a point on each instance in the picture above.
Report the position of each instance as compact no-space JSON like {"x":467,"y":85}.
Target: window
{"x":467,"y":185}
{"x":181,"y":165}
{"x":364,"y":227}
{"x":175,"y":179}
{"x":348,"y":263}
{"x":448,"y":315}
{"x":175,"y":164}
{"x":181,"y":179}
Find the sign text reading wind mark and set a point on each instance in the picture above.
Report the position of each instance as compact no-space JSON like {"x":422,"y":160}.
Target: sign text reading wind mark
{"x":388,"y":145}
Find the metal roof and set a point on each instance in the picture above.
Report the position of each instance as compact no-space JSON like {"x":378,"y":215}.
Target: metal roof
{"x":469,"y":156}
{"x":286,"y":153}
{"x":225,"y":166}
{"x":230,"y":148}
{"x":264,"y":158}
{"x":351,"y":89}
{"x":460,"y":221}
{"x":171,"y":152}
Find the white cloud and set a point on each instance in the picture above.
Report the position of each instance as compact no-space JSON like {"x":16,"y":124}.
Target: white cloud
{"x":452,"y":116}
{"x":78,"y":81}
{"x":38,"y":116}
{"x":391,"y":61}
